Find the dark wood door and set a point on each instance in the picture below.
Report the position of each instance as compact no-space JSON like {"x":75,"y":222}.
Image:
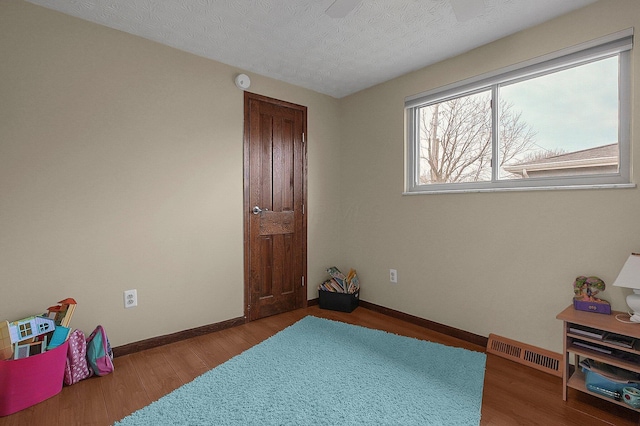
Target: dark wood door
{"x":274,"y":200}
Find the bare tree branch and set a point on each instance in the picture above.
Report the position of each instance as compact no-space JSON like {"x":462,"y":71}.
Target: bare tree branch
{"x":456,"y":140}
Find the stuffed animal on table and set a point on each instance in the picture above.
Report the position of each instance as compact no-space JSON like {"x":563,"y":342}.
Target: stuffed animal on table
{"x":585,"y":288}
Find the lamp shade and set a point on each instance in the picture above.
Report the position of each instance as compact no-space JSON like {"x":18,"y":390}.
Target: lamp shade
{"x":629,"y":276}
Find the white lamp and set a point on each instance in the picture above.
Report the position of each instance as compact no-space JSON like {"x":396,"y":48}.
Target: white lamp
{"x":630,"y":277}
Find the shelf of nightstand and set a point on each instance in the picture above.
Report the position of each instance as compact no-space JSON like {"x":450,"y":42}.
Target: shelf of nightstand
{"x":575,"y":336}
{"x":606,"y":358}
{"x":578,"y":381}
{"x":599,"y":323}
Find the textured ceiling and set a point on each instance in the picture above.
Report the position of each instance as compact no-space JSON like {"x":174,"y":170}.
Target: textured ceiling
{"x":297,"y":42}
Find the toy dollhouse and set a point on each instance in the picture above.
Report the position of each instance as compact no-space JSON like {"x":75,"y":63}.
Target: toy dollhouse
{"x":6,"y":347}
{"x":21,"y":330}
{"x":30,"y":327}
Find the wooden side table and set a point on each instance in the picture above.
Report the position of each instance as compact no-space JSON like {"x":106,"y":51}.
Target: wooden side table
{"x":582,"y":327}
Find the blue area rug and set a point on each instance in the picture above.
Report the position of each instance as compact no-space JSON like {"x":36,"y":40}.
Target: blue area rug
{"x":322,"y":372}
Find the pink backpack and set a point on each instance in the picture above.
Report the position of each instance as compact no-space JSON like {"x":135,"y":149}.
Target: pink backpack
{"x":99,"y":353}
{"x":76,"y":368}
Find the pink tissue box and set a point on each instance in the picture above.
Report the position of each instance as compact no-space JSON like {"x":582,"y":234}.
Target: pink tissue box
{"x":27,"y":381}
{"x":599,"y":307}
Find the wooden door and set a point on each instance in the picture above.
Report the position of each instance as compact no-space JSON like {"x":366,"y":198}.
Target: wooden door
{"x":274,"y":201}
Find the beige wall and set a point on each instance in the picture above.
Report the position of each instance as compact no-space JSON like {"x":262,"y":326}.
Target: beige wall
{"x":502,"y":262}
{"x":121,"y":167}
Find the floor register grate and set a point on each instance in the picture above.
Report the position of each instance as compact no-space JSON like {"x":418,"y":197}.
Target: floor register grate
{"x":531,"y":356}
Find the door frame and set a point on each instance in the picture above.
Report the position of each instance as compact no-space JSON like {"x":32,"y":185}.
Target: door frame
{"x":248,"y":96}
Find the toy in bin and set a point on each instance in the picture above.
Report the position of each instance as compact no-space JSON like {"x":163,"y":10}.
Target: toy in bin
{"x":33,"y":356}
{"x":585,"y":289}
{"x":631,"y":396}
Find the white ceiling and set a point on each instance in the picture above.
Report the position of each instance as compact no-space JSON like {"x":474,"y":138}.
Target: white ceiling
{"x":297,"y":42}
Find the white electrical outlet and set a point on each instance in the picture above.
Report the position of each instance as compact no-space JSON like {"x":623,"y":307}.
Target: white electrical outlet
{"x":130,"y":298}
{"x":393,"y":276}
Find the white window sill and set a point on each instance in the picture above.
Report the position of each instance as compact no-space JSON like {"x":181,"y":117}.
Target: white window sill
{"x":521,"y":189}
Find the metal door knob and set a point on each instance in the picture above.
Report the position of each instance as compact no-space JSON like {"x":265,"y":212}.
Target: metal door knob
{"x":258,"y":210}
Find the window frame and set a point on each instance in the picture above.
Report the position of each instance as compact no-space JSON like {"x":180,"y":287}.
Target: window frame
{"x":617,"y":44}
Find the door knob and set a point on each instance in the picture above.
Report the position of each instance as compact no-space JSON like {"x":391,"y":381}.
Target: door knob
{"x":258,"y":210}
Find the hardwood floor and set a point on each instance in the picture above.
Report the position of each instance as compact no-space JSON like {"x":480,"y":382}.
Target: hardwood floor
{"x":513,"y":394}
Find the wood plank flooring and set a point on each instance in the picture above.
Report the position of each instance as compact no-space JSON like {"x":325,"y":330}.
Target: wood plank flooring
{"x":513,"y":394}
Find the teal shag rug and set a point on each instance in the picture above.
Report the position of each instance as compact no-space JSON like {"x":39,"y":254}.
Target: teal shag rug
{"x":323,"y":372}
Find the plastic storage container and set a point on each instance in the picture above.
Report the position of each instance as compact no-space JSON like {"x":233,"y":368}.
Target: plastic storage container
{"x":601,"y":385}
{"x":27,"y":381}
{"x":343,"y":302}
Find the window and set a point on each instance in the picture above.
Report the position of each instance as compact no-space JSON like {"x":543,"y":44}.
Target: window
{"x":560,"y":121}
{"x":25,"y":330}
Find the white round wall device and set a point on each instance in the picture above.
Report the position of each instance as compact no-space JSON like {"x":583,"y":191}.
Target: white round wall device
{"x":243,"y":81}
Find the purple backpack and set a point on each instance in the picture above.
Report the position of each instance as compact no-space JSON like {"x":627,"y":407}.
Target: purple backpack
{"x":99,"y":354}
{"x":76,"y":368}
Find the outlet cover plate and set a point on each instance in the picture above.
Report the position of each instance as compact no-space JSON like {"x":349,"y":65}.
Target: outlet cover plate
{"x":130,"y":298}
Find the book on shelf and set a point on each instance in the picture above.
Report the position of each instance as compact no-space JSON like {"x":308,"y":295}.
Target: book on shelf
{"x":592,"y":347}
{"x":592,"y":333}
{"x":626,"y":356}
{"x":619,"y":340}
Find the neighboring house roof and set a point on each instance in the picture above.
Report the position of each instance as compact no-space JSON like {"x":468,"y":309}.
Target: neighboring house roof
{"x":596,"y":159}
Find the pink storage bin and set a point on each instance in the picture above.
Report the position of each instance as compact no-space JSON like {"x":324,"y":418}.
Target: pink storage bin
{"x":27,"y":381}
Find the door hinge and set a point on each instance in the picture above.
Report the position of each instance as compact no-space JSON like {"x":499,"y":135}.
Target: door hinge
{"x":303,"y":209}
{"x":303,"y":138}
{"x":303,"y":281}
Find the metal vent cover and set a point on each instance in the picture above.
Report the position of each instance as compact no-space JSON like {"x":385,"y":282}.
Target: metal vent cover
{"x":522,"y":353}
